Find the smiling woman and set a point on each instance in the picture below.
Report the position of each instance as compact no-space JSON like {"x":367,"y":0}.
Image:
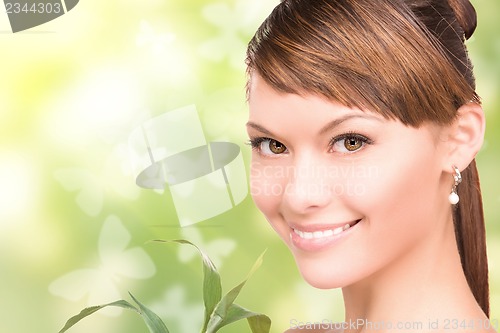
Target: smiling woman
{"x":342,"y":85}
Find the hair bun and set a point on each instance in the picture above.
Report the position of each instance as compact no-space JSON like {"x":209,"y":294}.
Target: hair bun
{"x":466,"y":15}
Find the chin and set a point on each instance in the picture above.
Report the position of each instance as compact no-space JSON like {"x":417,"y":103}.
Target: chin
{"x":327,"y":282}
{"x":323,"y":284}
{"x":322,"y":276}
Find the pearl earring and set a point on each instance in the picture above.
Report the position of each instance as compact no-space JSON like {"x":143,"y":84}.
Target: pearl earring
{"x":453,"y":197}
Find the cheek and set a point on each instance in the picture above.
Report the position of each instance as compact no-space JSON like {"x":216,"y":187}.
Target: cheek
{"x":266,"y":187}
{"x":401,"y":199}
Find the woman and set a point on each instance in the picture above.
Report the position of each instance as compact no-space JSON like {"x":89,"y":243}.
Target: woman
{"x":365,"y":124}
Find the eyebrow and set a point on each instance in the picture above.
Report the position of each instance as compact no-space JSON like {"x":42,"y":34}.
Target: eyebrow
{"x":328,"y":127}
{"x":334,"y":123}
{"x":259,"y":128}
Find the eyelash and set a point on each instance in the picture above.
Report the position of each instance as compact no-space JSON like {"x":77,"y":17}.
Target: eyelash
{"x":255,"y":143}
{"x":351,"y":135}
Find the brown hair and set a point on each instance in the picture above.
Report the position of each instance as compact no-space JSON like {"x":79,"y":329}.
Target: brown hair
{"x":404,"y":59}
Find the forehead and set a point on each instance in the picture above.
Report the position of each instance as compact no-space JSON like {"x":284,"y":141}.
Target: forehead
{"x":265,"y":101}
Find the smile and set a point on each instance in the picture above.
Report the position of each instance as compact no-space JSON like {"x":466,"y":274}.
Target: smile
{"x":321,"y":234}
{"x":317,"y":238}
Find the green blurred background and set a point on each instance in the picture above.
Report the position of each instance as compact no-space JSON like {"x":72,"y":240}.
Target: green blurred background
{"x":74,"y":226}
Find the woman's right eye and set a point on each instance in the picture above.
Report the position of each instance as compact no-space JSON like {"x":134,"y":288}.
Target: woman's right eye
{"x":267,"y":146}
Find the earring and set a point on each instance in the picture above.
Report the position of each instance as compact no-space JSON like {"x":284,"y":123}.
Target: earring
{"x":453,"y":197}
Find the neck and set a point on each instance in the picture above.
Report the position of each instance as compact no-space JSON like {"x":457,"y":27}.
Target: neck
{"x":422,"y":288}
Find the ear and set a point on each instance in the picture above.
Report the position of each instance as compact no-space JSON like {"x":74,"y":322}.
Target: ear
{"x":465,"y":136}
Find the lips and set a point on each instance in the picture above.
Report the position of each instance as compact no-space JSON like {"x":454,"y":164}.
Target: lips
{"x":316,"y":237}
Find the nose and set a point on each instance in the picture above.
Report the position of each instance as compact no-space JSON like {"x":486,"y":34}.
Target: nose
{"x":308,"y":187}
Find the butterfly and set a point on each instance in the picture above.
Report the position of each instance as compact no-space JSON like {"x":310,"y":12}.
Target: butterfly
{"x":216,"y":249}
{"x":174,"y":308}
{"x":149,"y":37}
{"x":232,"y":23}
{"x":91,"y":188}
{"x":117,"y":263}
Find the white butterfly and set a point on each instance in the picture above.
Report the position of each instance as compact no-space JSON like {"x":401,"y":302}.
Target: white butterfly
{"x":232,"y":23}
{"x":216,"y":249}
{"x":228,"y":42}
{"x":90,"y":197}
{"x":173,"y":308}
{"x":225,"y":112}
{"x":147,"y":36}
{"x":91,"y":188}
{"x":117,"y":262}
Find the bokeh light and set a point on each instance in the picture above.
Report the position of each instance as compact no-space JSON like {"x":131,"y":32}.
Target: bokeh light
{"x":74,"y":89}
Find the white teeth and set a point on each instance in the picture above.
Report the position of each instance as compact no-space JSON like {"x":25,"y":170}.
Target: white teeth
{"x":321,"y":234}
{"x":328,"y":233}
{"x":317,"y":234}
{"x":338,"y":230}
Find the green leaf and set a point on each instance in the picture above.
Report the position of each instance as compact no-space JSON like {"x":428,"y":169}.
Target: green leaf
{"x":259,"y":323}
{"x":90,"y":310}
{"x":154,"y":323}
{"x":212,"y":288}
{"x":221,"y":312}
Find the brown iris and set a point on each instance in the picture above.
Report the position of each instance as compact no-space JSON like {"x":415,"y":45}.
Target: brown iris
{"x":352,"y":143}
{"x":276,"y":147}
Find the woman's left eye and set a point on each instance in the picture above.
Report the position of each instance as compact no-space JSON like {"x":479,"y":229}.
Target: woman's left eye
{"x":349,"y":143}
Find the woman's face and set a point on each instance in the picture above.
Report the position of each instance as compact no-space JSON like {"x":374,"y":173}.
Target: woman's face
{"x":349,"y":192}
